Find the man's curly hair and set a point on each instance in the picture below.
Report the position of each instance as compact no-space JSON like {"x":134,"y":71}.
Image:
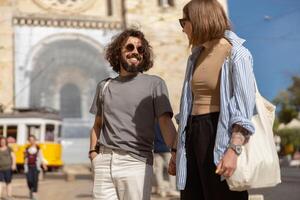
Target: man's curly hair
{"x":114,"y":50}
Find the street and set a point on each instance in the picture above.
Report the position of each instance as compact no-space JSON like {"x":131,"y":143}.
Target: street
{"x":289,"y":189}
{"x":54,"y":186}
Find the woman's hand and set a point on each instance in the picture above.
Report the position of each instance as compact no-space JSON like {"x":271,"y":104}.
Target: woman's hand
{"x":227,"y":165}
{"x":172,"y":165}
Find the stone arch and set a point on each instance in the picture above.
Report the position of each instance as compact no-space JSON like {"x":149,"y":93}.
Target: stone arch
{"x":61,"y":60}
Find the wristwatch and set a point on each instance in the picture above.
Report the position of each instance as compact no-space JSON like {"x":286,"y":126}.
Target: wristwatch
{"x":237,"y":148}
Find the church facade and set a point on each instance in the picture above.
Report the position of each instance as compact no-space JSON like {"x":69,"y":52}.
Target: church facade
{"x":51,"y":51}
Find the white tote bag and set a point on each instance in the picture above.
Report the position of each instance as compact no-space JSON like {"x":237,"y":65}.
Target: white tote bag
{"x":258,"y":164}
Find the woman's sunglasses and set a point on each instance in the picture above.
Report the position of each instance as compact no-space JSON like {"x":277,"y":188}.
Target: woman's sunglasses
{"x":182,"y":22}
{"x":130,"y":47}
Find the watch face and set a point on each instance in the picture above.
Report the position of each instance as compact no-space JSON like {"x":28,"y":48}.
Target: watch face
{"x":238,"y":149}
{"x":65,"y":6}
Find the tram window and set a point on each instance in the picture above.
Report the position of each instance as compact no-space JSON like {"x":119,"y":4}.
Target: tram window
{"x":34,"y":130}
{"x":12,"y":133}
{"x":1,"y":131}
{"x":49,"y":133}
{"x":59,"y":131}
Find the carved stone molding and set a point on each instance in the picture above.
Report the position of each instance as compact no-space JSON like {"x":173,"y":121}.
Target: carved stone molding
{"x":66,"y":22}
{"x":65,"y":6}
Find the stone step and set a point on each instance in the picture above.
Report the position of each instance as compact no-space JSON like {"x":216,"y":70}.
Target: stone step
{"x":256,"y":197}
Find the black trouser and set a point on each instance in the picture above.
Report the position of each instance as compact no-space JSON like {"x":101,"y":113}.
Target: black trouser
{"x":202,"y":182}
{"x":32,"y":178}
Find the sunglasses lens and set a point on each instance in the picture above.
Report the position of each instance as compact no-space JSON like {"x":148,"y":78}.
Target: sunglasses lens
{"x":141,"y":50}
{"x":182,"y":22}
{"x":129,"y":47}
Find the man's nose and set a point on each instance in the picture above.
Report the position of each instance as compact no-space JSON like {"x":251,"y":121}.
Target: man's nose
{"x":135,"y":50}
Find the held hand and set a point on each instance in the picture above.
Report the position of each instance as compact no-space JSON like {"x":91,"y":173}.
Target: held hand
{"x":13,"y":167}
{"x":92,"y":155}
{"x":228,"y":163}
{"x":172,"y":165}
{"x":45,"y":168}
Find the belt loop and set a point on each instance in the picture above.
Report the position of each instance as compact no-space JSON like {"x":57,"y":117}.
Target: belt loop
{"x":102,"y":149}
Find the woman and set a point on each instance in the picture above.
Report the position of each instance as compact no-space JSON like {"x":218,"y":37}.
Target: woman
{"x":7,"y":165}
{"x":217,"y":104}
{"x":32,"y":165}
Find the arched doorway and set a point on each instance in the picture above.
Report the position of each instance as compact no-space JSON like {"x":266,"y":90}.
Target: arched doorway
{"x":63,"y":76}
{"x":70,"y":101}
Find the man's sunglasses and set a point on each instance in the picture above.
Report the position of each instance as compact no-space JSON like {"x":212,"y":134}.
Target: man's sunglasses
{"x":182,"y":22}
{"x":130,"y":47}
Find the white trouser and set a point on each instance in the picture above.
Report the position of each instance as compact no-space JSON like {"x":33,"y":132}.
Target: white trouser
{"x":161,"y":161}
{"x":119,"y":176}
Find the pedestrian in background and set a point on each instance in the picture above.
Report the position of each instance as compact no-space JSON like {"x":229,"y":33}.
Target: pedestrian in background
{"x":162,"y":156}
{"x":7,"y":166}
{"x":217,"y":104}
{"x":34,"y":160}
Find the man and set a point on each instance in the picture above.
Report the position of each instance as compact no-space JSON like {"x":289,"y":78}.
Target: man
{"x":131,"y":104}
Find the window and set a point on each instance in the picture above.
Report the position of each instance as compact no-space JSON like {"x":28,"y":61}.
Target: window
{"x":49,"y":136}
{"x":59,"y":131}
{"x":166,"y":3}
{"x":109,"y":7}
{"x":1,"y":131}
{"x":70,"y":101}
{"x":12,"y":133}
{"x":34,"y":130}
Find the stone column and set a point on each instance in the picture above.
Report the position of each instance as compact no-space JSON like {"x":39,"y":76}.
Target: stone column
{"x":6,"y":56}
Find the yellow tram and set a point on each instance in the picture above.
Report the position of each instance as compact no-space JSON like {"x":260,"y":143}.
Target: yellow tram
{"x":44,"y":124}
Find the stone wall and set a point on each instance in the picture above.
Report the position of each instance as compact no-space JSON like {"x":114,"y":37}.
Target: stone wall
{"x":6,"y":55}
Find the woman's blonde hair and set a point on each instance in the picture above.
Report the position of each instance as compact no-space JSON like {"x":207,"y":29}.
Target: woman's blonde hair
{"x":208,"y":18}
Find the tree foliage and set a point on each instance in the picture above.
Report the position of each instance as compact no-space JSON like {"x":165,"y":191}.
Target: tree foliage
{"x":294,"y":90}
{"x":288,"y":102}
{"x":290,"y":136}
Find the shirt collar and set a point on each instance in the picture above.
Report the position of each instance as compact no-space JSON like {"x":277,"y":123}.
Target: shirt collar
{"x":229,"y":35}
{"x":233,"y":38}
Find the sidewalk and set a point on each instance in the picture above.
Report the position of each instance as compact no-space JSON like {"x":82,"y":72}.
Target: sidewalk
{"x":56,"y":187}
{"x":74,"y":182}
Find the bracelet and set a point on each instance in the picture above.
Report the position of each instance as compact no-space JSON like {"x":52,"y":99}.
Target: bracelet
{"x":91,"y":151}
{"x":173,"y":150}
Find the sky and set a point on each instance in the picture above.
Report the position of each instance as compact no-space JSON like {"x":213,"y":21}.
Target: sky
{"x":271,"y":29}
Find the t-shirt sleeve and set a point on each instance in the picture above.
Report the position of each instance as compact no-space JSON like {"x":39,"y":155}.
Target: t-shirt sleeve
{"x":96,"y":107}
{"x":161,"y":100}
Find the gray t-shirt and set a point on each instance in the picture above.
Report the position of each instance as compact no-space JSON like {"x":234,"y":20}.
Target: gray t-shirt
{"x":131,"y":106}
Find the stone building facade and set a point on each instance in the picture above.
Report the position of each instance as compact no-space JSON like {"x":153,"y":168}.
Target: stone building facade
{"x":51,"y":51}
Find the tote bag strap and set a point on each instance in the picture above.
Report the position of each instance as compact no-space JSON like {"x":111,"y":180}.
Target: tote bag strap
{"x":231,"y":72}
{"x":97,"y":147}
{"x":102,"y":100}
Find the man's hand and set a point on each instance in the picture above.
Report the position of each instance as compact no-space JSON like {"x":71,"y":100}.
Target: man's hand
{"x":228,"y":163}
{"x":92,"y":155}
{"x":172,"y":165}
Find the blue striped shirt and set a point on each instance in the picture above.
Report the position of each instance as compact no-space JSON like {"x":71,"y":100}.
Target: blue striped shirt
{"x":237,"y":101}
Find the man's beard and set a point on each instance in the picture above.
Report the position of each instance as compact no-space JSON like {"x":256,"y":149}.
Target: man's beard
{"x":132,"y":68}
